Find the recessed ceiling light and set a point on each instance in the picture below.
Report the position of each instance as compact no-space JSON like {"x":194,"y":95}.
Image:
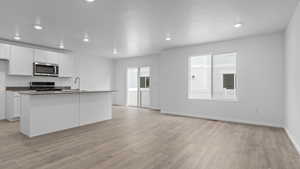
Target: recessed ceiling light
{"x":17,"y":37}
{"x":238,"y":25}
{"x":115,"y":51}
{"x":38,"y":27}
{"x":61,"y":45}
{"x":168,"y":37}
{"x":86,"y":38}
{"x":37,"y":24}
{"x":89,"y":0}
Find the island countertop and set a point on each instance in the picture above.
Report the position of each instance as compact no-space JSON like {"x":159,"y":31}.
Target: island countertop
{"x":73,"y":91}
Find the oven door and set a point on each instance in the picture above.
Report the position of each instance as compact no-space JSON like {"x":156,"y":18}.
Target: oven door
{"x":44,"y":69}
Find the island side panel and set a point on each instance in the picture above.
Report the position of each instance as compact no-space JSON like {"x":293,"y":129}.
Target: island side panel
{"x":50,"y":113}
{"x":95,"y":107}
{"x":25,"y":115}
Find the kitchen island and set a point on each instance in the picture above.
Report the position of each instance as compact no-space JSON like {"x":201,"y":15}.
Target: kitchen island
{"x":51,"y":111}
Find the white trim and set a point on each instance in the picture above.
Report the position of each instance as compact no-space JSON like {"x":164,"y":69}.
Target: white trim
{"x":151,"y":107}
{"x":217,"y":100}
{"x":292,"y":138}
{"x":145,"y":107}
{"x":221,"y":119}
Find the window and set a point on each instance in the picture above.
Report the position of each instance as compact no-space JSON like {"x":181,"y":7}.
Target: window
{"x":212,"y":76}
{"x":145,"y":82}
{"x":200,"y":77}
{"x":145,"y":77}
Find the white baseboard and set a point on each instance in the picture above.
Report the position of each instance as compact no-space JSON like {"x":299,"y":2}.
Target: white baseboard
{"x":291,"y":137}
{"x":147,"y":107}
{"x":222,"y":119}
{"x":153,"y":108}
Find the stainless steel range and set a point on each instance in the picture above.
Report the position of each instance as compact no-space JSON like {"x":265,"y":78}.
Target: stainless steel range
{"x":44,"y":86}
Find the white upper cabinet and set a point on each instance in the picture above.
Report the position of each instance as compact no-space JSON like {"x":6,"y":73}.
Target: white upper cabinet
{"x":66,"y":65}
{"x":20,"y":61}
{"x":4,"y":51}
{"x":46,"y":56}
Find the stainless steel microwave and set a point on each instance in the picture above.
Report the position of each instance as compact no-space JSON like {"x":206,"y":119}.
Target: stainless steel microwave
{"x":45,"y":69}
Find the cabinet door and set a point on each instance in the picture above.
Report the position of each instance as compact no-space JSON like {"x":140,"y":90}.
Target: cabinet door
{"x":53,"y":57}
{"x":2,"y":104}
{"x":94,"y":107}
{"x":66,"y":65}
{"x":17,"y":105}
{"x":40,"y":56}
{"x":45,"y":56}
{"x":21,"y":60}
{"x":4,"y":51}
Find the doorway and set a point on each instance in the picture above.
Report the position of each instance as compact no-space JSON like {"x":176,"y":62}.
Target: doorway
{"x":138,"y":87}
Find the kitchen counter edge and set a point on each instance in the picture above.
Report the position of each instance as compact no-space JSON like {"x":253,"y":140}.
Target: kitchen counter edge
{"x":65,"y":92}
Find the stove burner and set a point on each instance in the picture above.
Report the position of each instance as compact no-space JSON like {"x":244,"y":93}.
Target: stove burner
{"x":47,"y":89}
{"x":43,"y":86}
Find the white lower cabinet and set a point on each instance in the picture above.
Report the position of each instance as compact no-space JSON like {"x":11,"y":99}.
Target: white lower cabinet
{"x":2,"y":91}
{"x":20,"y":61}
{"x":43,"y":114}
{"x":13,"y":106}
{"x":92,"y":108}
{"x":2,"y":104}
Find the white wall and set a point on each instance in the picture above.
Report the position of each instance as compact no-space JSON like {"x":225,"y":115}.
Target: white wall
{"x":292,"y":87}
{"x":260,"y":75}
{"x":121,"y":66}
{"x":96,"y":73}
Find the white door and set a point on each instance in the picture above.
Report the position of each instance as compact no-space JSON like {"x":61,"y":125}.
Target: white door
{"x":132,"y":87}
{"x":144,"y":87}
{"x":138,"y":86}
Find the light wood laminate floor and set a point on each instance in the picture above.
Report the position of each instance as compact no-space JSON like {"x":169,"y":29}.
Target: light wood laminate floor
{"x":144,"y":139}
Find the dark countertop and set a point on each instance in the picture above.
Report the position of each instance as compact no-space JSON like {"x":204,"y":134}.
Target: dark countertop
{"x":17,"y":88}
{"x":74,"y":91}
{"x":27,"y":88}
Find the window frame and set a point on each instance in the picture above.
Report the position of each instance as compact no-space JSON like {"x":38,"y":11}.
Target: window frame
{"x":212,"y":98}
{"x":145,"y":82}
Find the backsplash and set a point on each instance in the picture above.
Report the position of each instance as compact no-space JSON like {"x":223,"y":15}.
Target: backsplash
{"x":24,"y":81}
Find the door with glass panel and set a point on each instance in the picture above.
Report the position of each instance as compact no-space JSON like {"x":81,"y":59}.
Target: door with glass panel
{"x":138,"y":86}
{"x":132,"y":86}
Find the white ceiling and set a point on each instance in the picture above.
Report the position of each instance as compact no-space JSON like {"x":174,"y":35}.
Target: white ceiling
{"x":139,"y":27}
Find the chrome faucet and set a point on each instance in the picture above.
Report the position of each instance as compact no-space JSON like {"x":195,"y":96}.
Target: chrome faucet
{"x":77,"y":80}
